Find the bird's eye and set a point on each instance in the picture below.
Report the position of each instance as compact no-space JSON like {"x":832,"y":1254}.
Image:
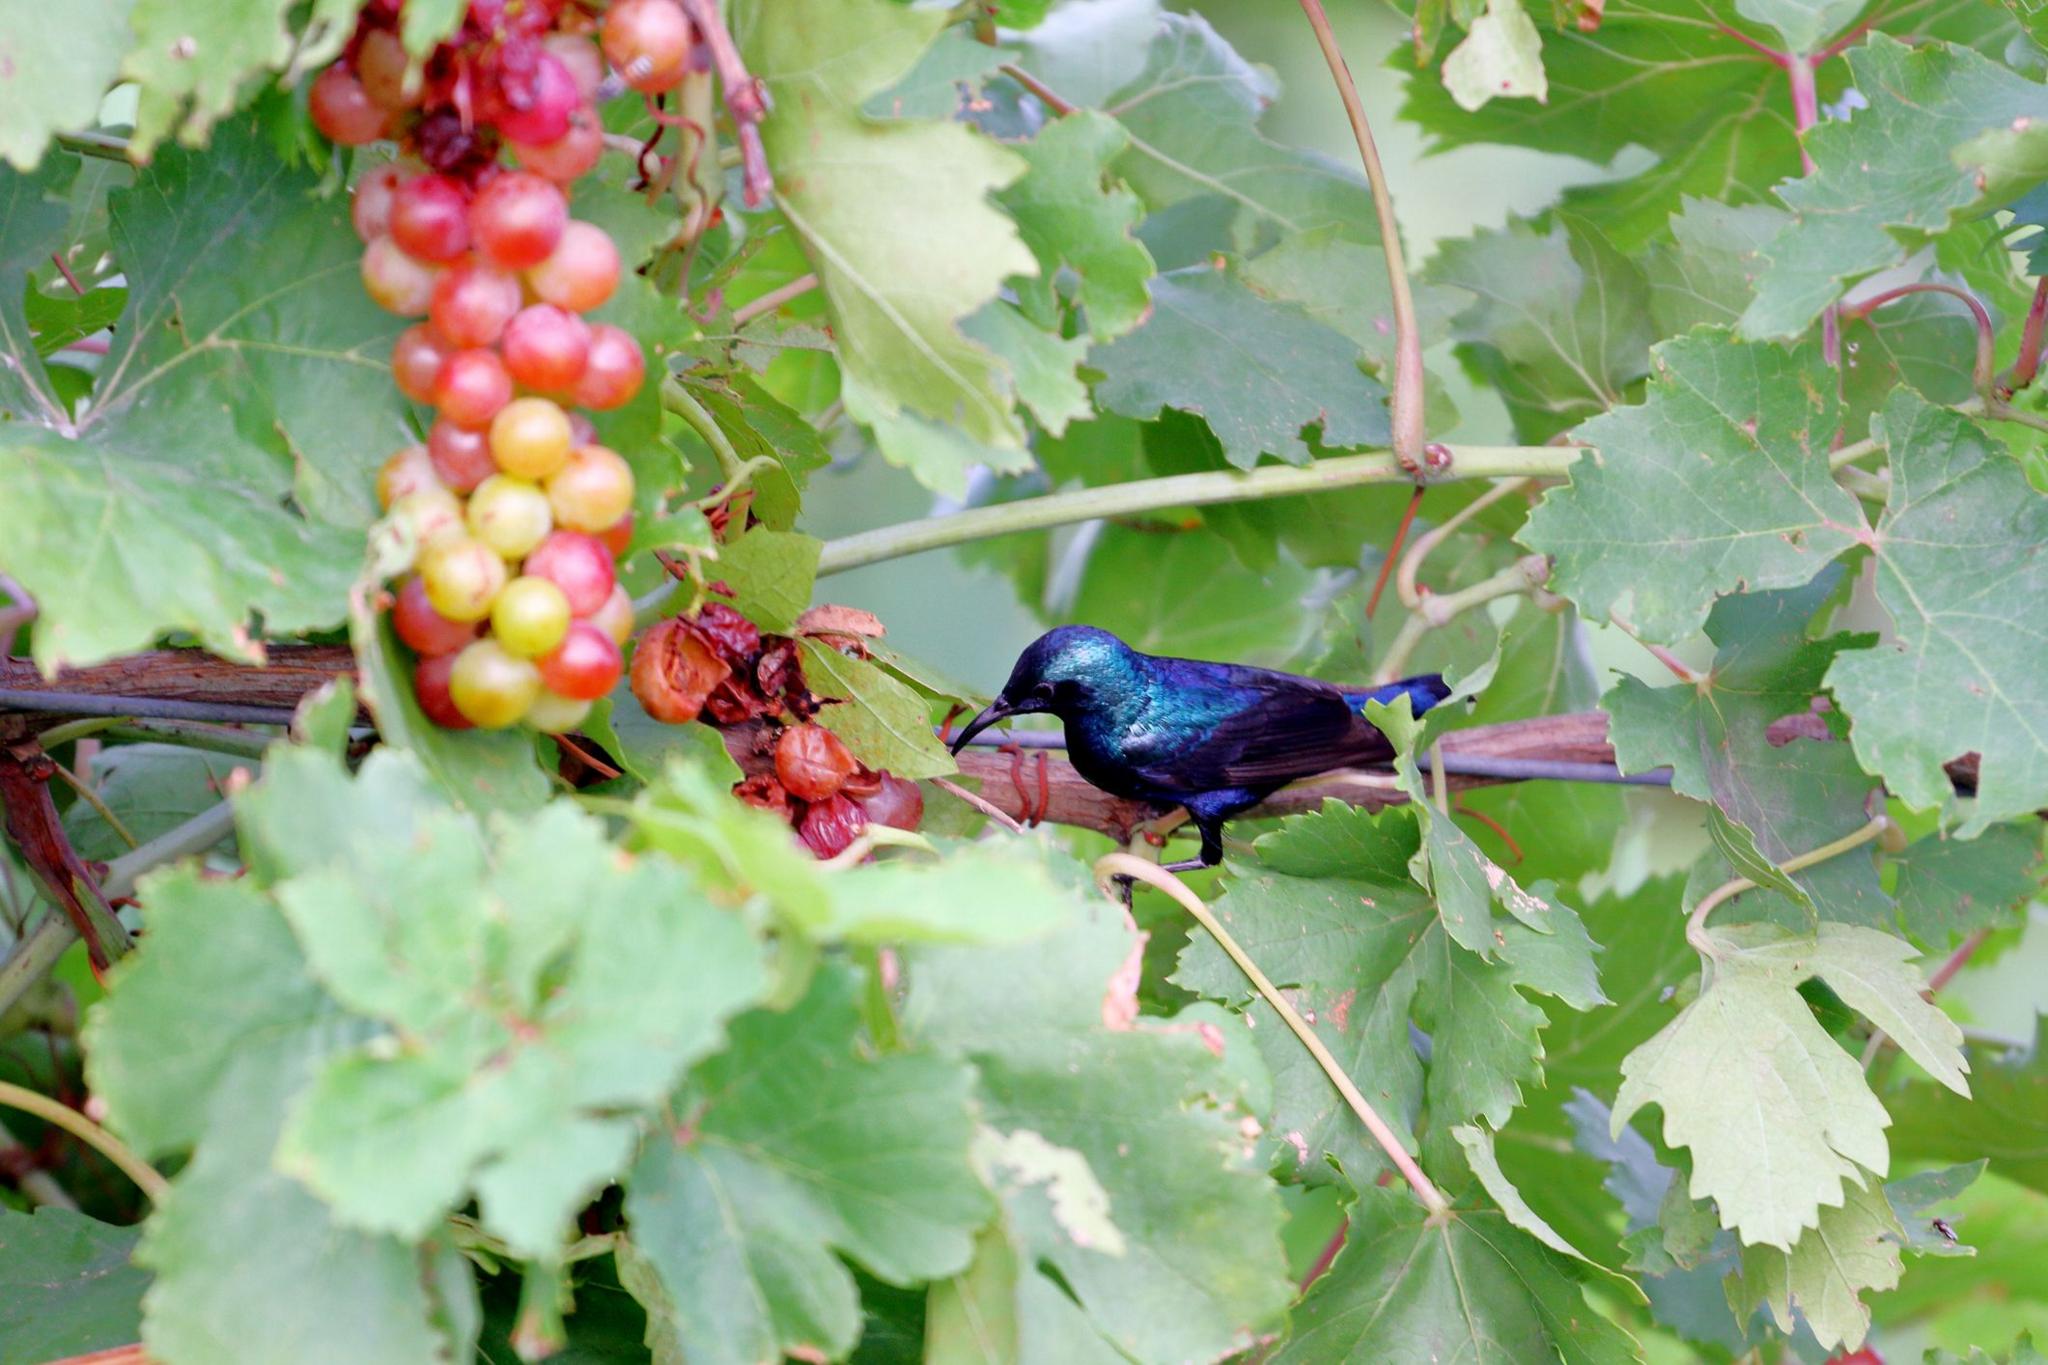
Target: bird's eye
{"x":1042,"y":692}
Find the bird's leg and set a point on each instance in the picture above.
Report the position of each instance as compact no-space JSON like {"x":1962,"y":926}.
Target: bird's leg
{"x":1212,"y":846}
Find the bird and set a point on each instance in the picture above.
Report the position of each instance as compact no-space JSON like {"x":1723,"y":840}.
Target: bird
{"x":1215,"y":738}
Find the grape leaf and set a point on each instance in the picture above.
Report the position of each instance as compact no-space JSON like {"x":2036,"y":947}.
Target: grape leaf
{"x":945,"y":77}
{"x":894,"y":216}
{"x":1706,"y":273}
{"x":1717,"y":482}
{"x":1946,"y":888}
{"x":1651,"y":76}
{"x":57,"y":63}
{"x":976,"y":894}
{"x":2005,"y":1117}
{"x":1959,"y":569}
{"x":1501,"y":56}
{"x":1947,"y":133}
{"x":1852,"y":1249}
{"x":1192,"y":114}
{"x":193,"y":60}
{"x":882,"y":720}
{"x":1256,"y":370}
{"x":1788,"y":795}
{"x":1072,"y":218}
{"x":1141,"y":585}
{"x":114,"y":521}
{"x":1804,"y":25}
{"x":66,"y":1285}
{"x":770,"y":573}
{"x":1914,"y":1202}
{"x":796,"y":1145}
{"x":539,"y":954}
{"x":1409,"y":1289}
{"x":32,"y":215}
{"x":152,"y":789}
{"x":1330,"y":911}
{"x":1558,"y":323}
{"x":1150,"y":1109}
{"x":1778,"y":1118}
{"x":1478,"y":1146}
{"x":1041,"y":363}
{"x":757,"y":423}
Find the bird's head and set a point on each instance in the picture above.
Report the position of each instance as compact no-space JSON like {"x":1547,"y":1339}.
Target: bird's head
{"x":1060,"y":673}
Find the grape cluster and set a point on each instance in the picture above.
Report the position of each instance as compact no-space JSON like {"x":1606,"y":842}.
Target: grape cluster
{"x":516,"y":511}
{"x":715,"y":665}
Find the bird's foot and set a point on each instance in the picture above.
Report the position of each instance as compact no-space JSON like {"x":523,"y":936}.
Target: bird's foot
{"x":1185,"y":865}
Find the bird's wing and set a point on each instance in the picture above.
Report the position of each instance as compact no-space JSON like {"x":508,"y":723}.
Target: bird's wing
{"x":1285,"y":728}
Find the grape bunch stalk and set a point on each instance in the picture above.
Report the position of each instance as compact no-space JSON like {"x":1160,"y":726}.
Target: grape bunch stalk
{"x":516,"y":514}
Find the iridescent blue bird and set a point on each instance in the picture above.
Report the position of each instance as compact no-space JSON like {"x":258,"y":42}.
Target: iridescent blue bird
{"x":1215,"y":738}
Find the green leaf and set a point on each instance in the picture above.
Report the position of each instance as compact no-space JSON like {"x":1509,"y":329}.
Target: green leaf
{"x":1329,"y":908}
{"x":1947,"y":133}
{"x":1192,"y":114}
{"x":1408,"y":1289}
{"x":757,"y":423}
{"x":1853,"y":1249}
{"x":66,"y":1285}
{"x":1706,"y":273}
{"x":1073,"y":217}
{"x":1151,"y":1110}
{"x":1717,"y":481}
{"x":1778,"y":1117}
{"x":1913,"y":1202}
{"x":1042,"y":364}
{"x":1239,"y":614}
{"x":1558,"y":322}
{"x":1501,"y":57}
{"x":1478,"y":1145}
{"x":770,"y":573}
{"x":1257,"y":371}
{"x":884,"y":722}
{"x":1649,"y":76}
{"x":32,"y":215}
{"x":944,"y":78}
{"x":1805,"y":25}
{"x":192,"y":61}
{"x":2005,"y":1117}
{"x":1788,"y":795}
{"x":59,"y":63}
{"x":1947,"y":888}
{"x":223,"y":976}
{"x":1958,"y":568}
{"x":645,"y":746}
{"x":228,"y":395}
{"x":796,"y":1145}
{"x":152,"y":789}
{"x":894,"y":216}
{"x":976,"y":894}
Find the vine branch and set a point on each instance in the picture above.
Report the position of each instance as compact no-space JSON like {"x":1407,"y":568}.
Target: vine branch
{"x":1696,"y":923}
{"x":145,"y":1176}
{"x":1406,"y":401}
{"x":1124,"y":865}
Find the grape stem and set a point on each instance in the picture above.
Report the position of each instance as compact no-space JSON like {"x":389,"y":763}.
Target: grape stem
{"x":680,"y":401}
{"x":1406,"y":402}
{"x":746,"y":98}
{"x":1114,"y":865}
{"x":1696,"y":923}
{"x":145,"y":1176}
{"x":773,"y":299}
{"x":2028,"y":363}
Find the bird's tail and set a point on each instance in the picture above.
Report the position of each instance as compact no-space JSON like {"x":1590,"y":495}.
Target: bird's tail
{"x":1424,"y":691}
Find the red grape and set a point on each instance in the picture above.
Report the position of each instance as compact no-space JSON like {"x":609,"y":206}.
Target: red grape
{"x":615,"y":617}
{"x":896,"y":802}
{"x":434,"y":515}
{"x":592,"y":491}
{"x":580,"y":57}
{"x":581,"y":272}
{"x":530,"y":438}
{"x":618,"y":537}
{"x":381,"y":65}
{"x":517,"y":219}
{"x":674,"y":671}
{"x":342,"y":110}
{"x":462,"y":577}
{"x":577,"y":564}
{"x":530,"y":617}
{"x":462,"y":457}
{"x":569,"y":156}
{"x":399,"y":283}
{"x":472,"y":303}
{"x":430,"y":687}
{"x":509,"y":515}
{"x":830,"y":826}
{"x":613,"y":371}
{"x":491,"y":686}
{"x":585,"y":666}
{"x":551,"y":97}
{"x":430,"y":218}
{"x":649,"y":42}
{"x":424,"y":630}
{"x":370,"y":209}
{"x":415,"y":359}
{"x":545,"y":347}
{"x":471,"y":387}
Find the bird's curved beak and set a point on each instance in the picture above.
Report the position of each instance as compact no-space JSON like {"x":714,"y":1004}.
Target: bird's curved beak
{"x":990,"y":714}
